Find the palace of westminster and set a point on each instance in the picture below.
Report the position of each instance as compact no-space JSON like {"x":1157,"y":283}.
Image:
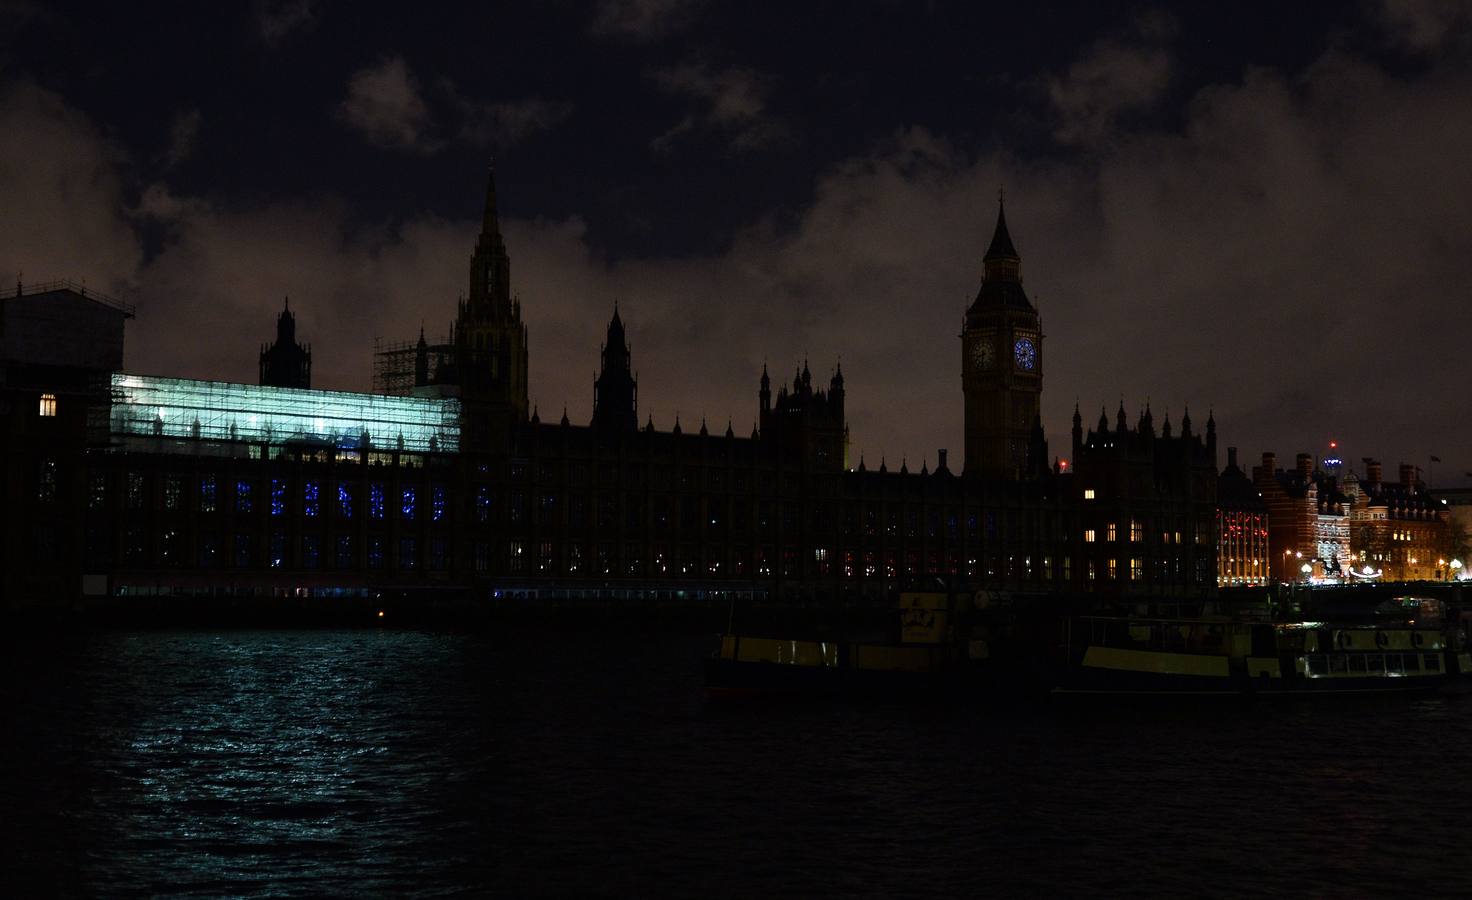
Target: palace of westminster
{"x":442,"y":478}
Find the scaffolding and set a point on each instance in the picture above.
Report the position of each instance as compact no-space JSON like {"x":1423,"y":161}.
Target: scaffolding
{"x":257,"y":414}
{"x":394,"y":365}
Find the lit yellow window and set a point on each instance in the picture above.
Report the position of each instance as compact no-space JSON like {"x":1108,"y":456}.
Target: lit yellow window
{"x":48,"y":405}
{"x":1089,"y":535}
{"x":1088,"y":493}
{"x":1113,"y":534}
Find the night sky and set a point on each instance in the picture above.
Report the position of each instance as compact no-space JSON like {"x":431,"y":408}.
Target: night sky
{"x":1262,"y":209}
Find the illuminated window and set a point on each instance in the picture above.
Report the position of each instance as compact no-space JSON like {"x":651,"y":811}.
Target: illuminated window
{"x":1137,"y":531}
{"x":1112,"y":533}
{"x":258,"y":414}
{"x":242,"y":497}
{"x":135,"y":490}
{"x":278,"y":549}
{"x":207,"y":494}
{"x":1137,"y":569}
{"x":1090,"y":535}
{"x":1088,"y":493}
{"x":173,"y":490}
{"x":345,"y":500}
{"x":97,"y":498}
{"x":311,"y":498}
{"x":483,"y":504}
{"x":408,"y":504}
{"x":344,"y":551}
{"x":278,"y":497}
{"x":48,"y":405}
{"x":1093,"y":570}
{"x":375,"y":500}
{"x":437,"y":504}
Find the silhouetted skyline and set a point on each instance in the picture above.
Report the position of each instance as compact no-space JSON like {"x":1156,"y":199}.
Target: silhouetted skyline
{"x":1257,"y":211}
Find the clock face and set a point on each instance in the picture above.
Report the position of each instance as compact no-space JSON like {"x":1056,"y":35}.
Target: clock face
{"x":1026,"y":354}
{"x":984,"y":353}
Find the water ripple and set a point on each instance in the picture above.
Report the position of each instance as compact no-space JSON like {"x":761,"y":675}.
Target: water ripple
{"x":409,"y":764}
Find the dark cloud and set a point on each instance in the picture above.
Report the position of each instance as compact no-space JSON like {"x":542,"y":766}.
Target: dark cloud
{"x":1424,"y":25}
{"x":183,"y":134}
{"x":642,"y":20}
{"x":1118,"y":75}
{"x":502,"y":124}
{"x":385,"y":103}
{"x":278,"y":20}
{"x":731,"y":102}
{"x":63,"y":191}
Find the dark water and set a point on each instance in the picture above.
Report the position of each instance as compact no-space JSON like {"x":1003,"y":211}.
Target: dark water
{"x":413,"y":764}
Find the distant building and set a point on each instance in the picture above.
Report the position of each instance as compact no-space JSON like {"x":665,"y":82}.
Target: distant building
{"x":1243,"y":558}
{"x":1352,"y":529}
{"x":451,"y":479}
{"x":59,"y":344}
{"x":615,"y":392}
{"x":1148,"y":501}
{"x":286,"y":363}
{"x":1400,"y":528}
{"x":1002,"y":366}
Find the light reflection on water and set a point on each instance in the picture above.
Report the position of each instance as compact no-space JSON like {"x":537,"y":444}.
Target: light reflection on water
{"x":374,"y":763}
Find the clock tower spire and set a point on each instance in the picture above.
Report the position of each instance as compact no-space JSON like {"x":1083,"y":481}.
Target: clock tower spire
{"x":1001,"y":363}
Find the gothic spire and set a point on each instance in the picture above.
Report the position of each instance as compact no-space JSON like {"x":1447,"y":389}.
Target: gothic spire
{"x":489,"y":222}
{"x":1001,"y":246}
{"x":1001,"y":282}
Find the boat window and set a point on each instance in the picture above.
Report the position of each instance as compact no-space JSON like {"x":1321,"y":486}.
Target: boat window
{"x":1338,"y":663}
{"x":1376,"y":663}
{"x":1393,"y":665}
{"x":1433,"y":662}
{"x":1357,"y":663}
{"x":1413,"y":662}
{"x":1317,"y":665}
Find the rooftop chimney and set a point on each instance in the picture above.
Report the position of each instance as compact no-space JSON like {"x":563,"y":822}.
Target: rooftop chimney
{"x":1231,"y":457}
{"x":941,"y":465}
{"x":1374,"y":471}
{"x":1409,"y":476}
{"x":1306,"y":465}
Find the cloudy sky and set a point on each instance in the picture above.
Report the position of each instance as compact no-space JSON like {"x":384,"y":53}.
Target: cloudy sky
{"x":1262,"y":209}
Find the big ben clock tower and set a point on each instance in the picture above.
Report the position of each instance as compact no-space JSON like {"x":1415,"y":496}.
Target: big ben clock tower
{"x":1001,"y":364}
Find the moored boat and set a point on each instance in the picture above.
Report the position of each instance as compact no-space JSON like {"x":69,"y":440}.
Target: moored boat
{"x":1104,"y":654}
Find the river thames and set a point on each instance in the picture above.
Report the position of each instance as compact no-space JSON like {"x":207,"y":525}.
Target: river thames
{"x":401,"y":763}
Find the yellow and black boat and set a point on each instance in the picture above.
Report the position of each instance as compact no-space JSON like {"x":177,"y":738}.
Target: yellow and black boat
{"x":1103,"y":654}
{"x":931,"y":649}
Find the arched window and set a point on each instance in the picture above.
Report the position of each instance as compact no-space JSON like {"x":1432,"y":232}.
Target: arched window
{"x":48,"y":405}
